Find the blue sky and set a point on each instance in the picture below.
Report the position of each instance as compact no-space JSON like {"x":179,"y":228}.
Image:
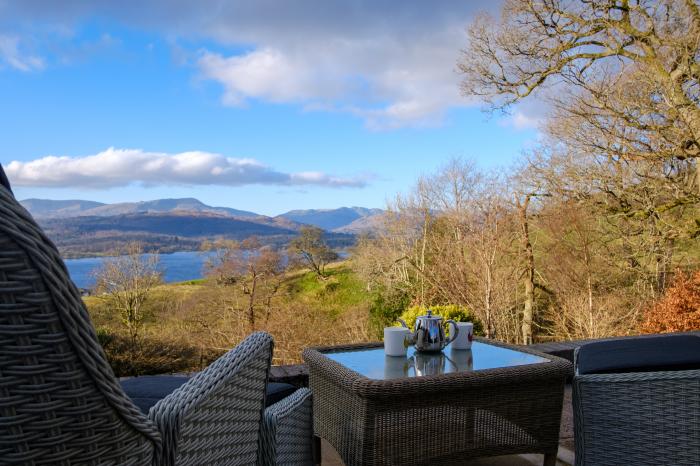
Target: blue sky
{"x":253,"y":105}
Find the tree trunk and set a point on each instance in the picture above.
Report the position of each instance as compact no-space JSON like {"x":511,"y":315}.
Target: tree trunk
{"x":251,"y":302}
{"x":529,"y":275}
{"x":591,"y":322}
{"x":422,"y":259}
{"x":489,"y":316}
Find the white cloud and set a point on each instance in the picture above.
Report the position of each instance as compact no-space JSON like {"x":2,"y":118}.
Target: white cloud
{"x":264,"y":74}
{"x":521,"y":121}
{"x":121,"y":167}
{"x":386,"y":83}
{"x":11,"y":55}
{"x":390,"y":63}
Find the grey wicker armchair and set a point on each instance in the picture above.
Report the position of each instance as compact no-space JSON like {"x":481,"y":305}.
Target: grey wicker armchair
{"x":60,"y":403}
{"x":637,"y":401}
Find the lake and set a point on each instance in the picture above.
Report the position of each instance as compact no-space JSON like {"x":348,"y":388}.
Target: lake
{"x":176,"y":267}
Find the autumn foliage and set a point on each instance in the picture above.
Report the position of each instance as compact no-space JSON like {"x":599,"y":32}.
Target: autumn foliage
{"x":679,"y":309}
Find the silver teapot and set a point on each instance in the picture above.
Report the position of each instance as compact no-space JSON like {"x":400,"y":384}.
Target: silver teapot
{"x":429,"y":335}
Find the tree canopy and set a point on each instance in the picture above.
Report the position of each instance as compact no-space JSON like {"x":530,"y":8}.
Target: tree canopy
{"x":624,"y":74}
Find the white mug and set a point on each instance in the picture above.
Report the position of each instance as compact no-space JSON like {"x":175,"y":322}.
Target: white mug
{"x":395,"y":341}
{"x":464,"y":336}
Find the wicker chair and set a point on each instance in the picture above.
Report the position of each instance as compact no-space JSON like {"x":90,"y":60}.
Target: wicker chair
{"x":637,"y":401}
{"x":61,"y":404}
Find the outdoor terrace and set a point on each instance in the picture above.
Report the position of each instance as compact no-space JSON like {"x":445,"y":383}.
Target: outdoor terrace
{"x":298,"y":375}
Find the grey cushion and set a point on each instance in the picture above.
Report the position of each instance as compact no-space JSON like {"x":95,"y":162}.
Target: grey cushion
{"x":641,"y":354}
{"x":145,"y":391}
{"x":277,"y":391}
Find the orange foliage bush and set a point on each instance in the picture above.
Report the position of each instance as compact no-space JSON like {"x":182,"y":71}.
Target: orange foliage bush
{"x":679,"y":309}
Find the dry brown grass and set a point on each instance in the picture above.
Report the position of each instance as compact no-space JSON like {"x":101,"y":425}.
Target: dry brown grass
{"x":189,"y":326}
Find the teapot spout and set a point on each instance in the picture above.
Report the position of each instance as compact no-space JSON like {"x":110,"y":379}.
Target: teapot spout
{"x":403,"y":323}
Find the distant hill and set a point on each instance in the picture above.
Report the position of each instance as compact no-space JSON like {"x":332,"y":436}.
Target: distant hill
{"x":185,"y":224}
{"x":330,"y":219}
{"x":41,"y":208}
{"x":368,"y":224}
{"x":86,"y":228}
{"x":339,"y":219}
{"x":166,"y":232}
{"x":49,"y":208}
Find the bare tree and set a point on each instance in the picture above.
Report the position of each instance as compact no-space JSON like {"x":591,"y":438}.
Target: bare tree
{"x":125,"y":283}
{"x":451,"y":240}
{"x":592,"y":289}
{"x":222,"y":263}
{"x":640,"y":204}
{"x":626,"y":69}
{"x":257,"y":270}
{"x":313,"y":249}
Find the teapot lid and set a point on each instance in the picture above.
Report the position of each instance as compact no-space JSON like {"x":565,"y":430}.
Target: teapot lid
{"x":430,"y":315}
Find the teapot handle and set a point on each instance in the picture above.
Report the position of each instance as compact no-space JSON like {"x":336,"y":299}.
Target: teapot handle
{"x":454,"y":333}
{"x":412,"y":336}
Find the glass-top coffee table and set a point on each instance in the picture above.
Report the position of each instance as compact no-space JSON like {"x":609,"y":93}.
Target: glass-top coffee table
{"x":373,"y":364}
{"x":443,"y":408}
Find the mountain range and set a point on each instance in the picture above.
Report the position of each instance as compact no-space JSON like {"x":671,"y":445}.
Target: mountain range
{"x":331,"y":219}
{"x":46,"y":208}
{"x":86,"y":228}
{"x":343,"y":219}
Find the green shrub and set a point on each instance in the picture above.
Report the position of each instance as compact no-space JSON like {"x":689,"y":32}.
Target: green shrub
{"x":449,"y":311}
{"x":385,"y":309}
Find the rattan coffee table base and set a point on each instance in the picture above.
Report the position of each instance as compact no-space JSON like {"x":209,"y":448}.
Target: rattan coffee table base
{"x":445,"y":419}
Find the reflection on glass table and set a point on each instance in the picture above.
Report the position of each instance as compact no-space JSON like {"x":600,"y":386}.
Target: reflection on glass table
{"x":374,"y":364}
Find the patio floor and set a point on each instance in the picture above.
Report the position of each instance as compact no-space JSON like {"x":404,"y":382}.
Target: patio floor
{"x":329,"y":457}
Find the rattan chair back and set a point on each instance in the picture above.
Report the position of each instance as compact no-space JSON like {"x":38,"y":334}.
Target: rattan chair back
{"x":60,"y":402}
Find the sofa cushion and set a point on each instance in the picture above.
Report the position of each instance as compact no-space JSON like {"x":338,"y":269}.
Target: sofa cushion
{"x":640,"y":354}
{"x":277,"y":391}
{"x":145,"y":391}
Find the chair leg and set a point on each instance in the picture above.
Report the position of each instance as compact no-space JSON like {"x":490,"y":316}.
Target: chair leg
{"x":550,"y":459}
{"x":317,"y":450}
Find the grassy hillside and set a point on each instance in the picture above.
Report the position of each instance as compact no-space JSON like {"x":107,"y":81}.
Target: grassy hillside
{"x":189,"y":324}
{"x":340,"y":291}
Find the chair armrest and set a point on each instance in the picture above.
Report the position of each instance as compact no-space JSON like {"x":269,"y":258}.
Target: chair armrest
{"x":287,"y":436}
{"x":215,"y":417}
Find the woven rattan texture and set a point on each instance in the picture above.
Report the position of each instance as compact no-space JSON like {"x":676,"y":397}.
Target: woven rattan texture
{"x":60,"y":403}
{"x":647,"y":418}
{"x":288,"y":431}
{"x":439,"y":419}
{"x":215,"y":418}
